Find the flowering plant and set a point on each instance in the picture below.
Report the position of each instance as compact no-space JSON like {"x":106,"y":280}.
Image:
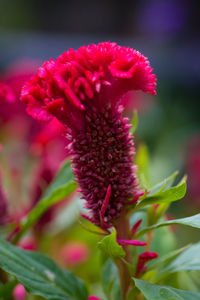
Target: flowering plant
{"x":84,"y":90}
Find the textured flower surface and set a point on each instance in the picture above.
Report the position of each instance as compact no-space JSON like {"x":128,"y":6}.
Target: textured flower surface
{"x":83,"y":90}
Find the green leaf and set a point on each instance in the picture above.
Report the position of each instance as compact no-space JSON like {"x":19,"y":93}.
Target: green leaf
{"x":163,"y":185}
{"x":62,"y":186}
{"x":163,"y":292}
{"x":167,"y":196}
{"x":189,"y":260}
{"x":134,"y":122}
{"x":165,"y":259}
{"x":193,"y":221}
{"x":110,"y":246}
{"x":40,"y":275}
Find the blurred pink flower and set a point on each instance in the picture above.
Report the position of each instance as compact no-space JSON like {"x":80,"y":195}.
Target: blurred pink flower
{"x":74,"y":253}
{"x":47,"y":144}
{"x":18,"y":72}
{"x":19,"y":292}
{"x":28,"y":243}
{"x":3,"y":205}
{"x":6,"y":94}
{"x":92,"y":297}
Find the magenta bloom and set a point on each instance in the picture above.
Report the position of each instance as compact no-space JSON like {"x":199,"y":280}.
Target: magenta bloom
{"x":143,"y":260}
{"x":3,"y":202}
{"x":6,"y":94}
{"x":83,"y":90}
{"x":74,"y":253}
{"x":19,"y":292}
{"x":92,"y":297}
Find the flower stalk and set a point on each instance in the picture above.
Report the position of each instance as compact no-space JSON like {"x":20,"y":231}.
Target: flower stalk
{"x":122,"y":226}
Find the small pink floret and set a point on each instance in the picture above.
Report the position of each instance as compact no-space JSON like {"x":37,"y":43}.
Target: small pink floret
{"x":19,"y":292}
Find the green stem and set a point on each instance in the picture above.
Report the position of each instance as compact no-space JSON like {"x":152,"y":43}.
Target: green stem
{"x":123,"y":230}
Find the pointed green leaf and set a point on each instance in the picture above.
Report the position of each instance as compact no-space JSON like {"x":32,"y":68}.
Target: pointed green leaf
{"x":165,"y":259}
{"x":167,"y":196}
{"x":163,"y":292}
{"x":40,"y":275}
{"x":189,"y":260}
{"x":62,"y":186}
{"x":193,"y":221}
{"x":110,"y":246}
{"x":163,"y":185}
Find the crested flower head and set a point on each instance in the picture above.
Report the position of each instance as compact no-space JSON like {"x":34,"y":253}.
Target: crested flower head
{"x":83,"y":90}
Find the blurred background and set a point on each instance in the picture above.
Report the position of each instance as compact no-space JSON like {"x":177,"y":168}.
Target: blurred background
{"x":166,"y":31}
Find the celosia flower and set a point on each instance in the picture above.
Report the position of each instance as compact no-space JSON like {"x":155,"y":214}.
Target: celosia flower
{"x":83,"y":90}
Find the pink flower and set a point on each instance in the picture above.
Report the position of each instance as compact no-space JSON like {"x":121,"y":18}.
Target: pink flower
{"x":74,"y":253}
{"x":142,"y":260}
{"x":3,"y":203}
{"x":19,"y":292}
{"x":6,"y":94}
{"x":18,"y":72}
{"x":92,"y":297}
{"x":28,"y":243}
{"x":83,"y":90}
